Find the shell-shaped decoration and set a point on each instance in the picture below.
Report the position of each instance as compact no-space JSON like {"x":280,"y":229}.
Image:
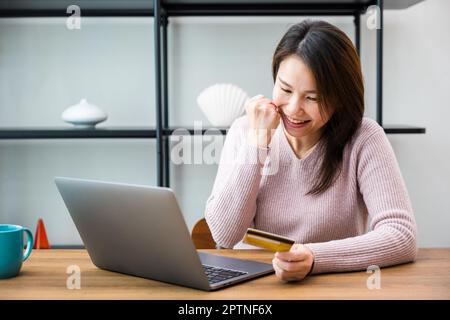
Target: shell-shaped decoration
{"x":222,"y":103}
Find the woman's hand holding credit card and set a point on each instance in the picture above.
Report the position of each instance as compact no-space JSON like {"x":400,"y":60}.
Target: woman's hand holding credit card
{"x":292,"y":262}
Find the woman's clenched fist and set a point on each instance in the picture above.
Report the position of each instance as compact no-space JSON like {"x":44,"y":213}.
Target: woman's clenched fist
{"x":264,"y":118}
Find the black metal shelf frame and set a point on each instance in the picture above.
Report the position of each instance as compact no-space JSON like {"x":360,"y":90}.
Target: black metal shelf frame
{"x":161,"y":11}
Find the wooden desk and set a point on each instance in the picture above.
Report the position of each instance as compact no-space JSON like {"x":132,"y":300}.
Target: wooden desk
{"x":44,"y":276}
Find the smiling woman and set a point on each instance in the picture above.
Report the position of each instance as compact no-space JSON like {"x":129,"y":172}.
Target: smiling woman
{"x":323,"y":171}
{"x":319,"y":57}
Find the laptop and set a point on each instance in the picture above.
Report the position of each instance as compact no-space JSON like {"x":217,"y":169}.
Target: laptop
{"x":140,"y":231}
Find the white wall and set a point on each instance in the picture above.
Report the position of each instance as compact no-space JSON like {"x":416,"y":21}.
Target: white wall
{"x":44,"y":68}
{"x":417,"y":91}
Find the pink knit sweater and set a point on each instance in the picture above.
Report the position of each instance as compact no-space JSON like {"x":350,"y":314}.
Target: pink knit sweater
{"x":365,"y":218}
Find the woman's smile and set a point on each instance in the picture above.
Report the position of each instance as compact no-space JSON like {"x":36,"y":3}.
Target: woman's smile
{"x":294,"y":123}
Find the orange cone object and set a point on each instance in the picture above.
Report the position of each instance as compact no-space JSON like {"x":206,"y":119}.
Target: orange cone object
{"x":40,"y":238}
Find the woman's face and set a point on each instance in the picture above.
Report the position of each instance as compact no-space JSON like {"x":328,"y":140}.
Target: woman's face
{"x":296,"y":96}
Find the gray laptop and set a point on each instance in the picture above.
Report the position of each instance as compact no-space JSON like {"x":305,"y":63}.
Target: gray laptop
{"x":140,"y":231}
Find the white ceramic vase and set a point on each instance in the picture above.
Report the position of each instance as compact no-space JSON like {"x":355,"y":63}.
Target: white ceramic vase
{"x":84,"y":115}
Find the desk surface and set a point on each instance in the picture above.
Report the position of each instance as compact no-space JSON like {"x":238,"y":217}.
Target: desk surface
{"x":44,"y":276}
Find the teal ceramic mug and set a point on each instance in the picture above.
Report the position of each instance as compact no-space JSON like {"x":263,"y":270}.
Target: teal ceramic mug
{"x":11,"y":249}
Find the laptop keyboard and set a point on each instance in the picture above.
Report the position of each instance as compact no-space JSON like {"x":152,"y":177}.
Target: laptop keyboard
{"x":216,"y":274}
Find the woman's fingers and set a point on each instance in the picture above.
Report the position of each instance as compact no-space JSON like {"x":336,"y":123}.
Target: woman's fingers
{"x":286,"y":275}
{"x":291,"y":266}
{"x":278,"y":271}
{"x":275,"y":106}
{"x":297,"y":253}
{"x":261,"y":100}
{"x":257,"y":97}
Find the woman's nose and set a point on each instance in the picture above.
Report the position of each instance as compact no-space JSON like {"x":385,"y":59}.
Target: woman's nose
{"x":291,"y":107}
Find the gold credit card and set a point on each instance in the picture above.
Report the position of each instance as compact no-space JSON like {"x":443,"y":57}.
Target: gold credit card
{"x":267,"y":240}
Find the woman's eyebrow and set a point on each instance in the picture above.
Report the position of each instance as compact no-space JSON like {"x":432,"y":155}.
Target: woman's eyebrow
{"x":284,"y":82}
{"x":288,"y":85}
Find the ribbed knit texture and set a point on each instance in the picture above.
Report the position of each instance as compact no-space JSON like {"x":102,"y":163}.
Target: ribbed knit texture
{"x":365,"y":218}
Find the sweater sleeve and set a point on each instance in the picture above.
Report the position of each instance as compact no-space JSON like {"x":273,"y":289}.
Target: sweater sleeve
{"x":391,"y":238}
{"x":231,"y":207}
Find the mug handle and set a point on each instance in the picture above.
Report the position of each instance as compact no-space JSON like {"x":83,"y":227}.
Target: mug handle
{"x":29,"y":244}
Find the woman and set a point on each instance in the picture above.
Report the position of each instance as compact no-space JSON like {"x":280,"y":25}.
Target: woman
{"x":323,"y":175}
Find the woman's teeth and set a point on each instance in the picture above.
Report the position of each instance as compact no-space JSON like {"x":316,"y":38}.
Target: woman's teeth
{"x":297,"y":121}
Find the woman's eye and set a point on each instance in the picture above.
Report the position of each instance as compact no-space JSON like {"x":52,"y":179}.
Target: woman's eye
{"x":311,"y":99}
{"x":286,"y":90}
